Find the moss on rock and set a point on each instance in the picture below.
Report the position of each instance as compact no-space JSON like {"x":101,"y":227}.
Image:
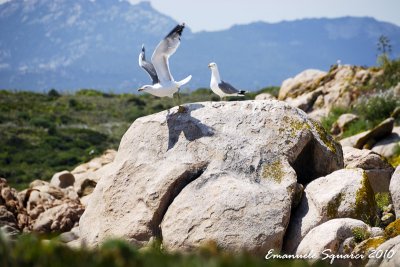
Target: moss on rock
{"x":365,"y":205}
{"x":324,"y":136}
{"x":333,"y":206}
{"x":273,"y":171}
{"x":393,"y":229}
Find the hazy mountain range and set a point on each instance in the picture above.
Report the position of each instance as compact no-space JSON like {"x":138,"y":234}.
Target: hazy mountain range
{"x":68,"y":45}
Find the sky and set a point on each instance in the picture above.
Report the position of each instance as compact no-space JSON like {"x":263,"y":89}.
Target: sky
{"x":212,"y":15}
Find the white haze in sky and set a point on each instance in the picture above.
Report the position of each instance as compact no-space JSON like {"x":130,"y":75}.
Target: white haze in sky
{"x":214,"y":15}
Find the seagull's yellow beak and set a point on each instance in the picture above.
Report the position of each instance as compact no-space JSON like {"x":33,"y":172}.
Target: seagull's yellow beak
{"x":140,"y":89}
{"x":209,"y":65}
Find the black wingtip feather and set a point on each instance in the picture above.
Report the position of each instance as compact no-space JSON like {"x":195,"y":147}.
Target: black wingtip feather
{"x":178,"y":29}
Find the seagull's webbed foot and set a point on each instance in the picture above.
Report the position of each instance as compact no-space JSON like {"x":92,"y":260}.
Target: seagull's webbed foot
{"x":182,"y":109}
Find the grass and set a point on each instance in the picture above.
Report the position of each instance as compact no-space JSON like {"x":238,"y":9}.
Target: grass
{"x":30,"y":250}
{"x":371,"y":111}
{"x":41,"y":134}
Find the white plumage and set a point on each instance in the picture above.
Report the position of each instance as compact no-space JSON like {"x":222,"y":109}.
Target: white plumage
{"x":164,"y":84}
{"x":219,"y":87}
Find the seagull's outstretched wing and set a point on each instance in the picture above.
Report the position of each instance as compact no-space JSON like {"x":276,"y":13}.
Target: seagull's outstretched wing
{"x":164,"y":50}
{"x":147,"y":66}
{"x":229,"y":89}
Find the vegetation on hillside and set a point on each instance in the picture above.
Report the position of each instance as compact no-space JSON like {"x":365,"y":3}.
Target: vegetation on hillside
{"x":41,"y":134}
{"x":377,"y":102}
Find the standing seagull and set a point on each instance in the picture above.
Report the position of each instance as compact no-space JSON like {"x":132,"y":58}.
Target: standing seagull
{"x":220,"y":87}
{"x":164,"y":84}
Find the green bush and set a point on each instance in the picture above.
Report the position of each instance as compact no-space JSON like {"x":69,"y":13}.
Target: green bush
{"x":328,"y":121}
{"x":89,"y":92}
{"x":41,"y":121}
{"x":371,"y":111}
{"x":360,"y":234}
{"x":391,"y":71}
{"x":383,"y":200}
{"x":377,"y":108}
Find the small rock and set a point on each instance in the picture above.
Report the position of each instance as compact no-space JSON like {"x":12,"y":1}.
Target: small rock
{"x":80,"y":169}
{"x":59,"y":219}
{"x":378,"y":170}
{"x":329,"y":235}
{"x":7,"y":218}
{"x":87,"y":187}
{"x":381,"y":131}
{"x":264,"y":96}
{"x":63,"y":179}
{"x":38,"y":183}
{"x":342,"y":122}
{"x":377,"y":231}
{"x":388,"y":146}
{"x":387,"y":218}
{"x":371,"y":137}
{"x":8,"y":232}
{"x":70,"y":236}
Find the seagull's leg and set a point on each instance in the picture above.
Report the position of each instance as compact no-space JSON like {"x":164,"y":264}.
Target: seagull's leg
{"x":181,"y":109}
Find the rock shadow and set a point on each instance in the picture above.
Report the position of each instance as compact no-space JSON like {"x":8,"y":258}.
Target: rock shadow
{"x":192,"y":128}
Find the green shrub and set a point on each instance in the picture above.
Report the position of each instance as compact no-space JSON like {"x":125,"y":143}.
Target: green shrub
{"x":53,"y":93}
{"x":377,"y":108}
{"x":332,"y":117}
{"x":89,"y":92}
{"x":360,"y":234}
{"x":356,"y":127}
{"x":391,"y":72}
{"x":44,"y":122}
{"x":383,"y":200}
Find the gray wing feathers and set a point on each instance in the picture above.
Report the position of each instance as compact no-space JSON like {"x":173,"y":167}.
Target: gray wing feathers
{"x":147,"y":66}
{"x":228,"y":89}
{"x":164,"y":50}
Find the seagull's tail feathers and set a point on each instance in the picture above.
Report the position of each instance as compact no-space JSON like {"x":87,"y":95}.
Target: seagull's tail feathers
{"x":241,"y":93}
{"x":184,"y":81}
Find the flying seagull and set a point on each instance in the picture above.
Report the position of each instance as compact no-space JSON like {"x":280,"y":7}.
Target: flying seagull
{"x":164,"y":84}
{"x":220,"y":87}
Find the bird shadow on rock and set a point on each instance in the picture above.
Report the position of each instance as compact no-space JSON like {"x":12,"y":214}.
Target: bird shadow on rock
{"x":192,"y":128}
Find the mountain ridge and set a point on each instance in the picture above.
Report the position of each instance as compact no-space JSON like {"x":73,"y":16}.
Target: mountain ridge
{"x":85,"y":44}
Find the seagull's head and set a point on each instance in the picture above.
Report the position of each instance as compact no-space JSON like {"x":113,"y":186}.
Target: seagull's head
{"x":144,"y":88}
{"x":212,"y":65}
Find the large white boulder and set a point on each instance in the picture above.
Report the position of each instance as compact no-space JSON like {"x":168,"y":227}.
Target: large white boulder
{"x":223,"y":171}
